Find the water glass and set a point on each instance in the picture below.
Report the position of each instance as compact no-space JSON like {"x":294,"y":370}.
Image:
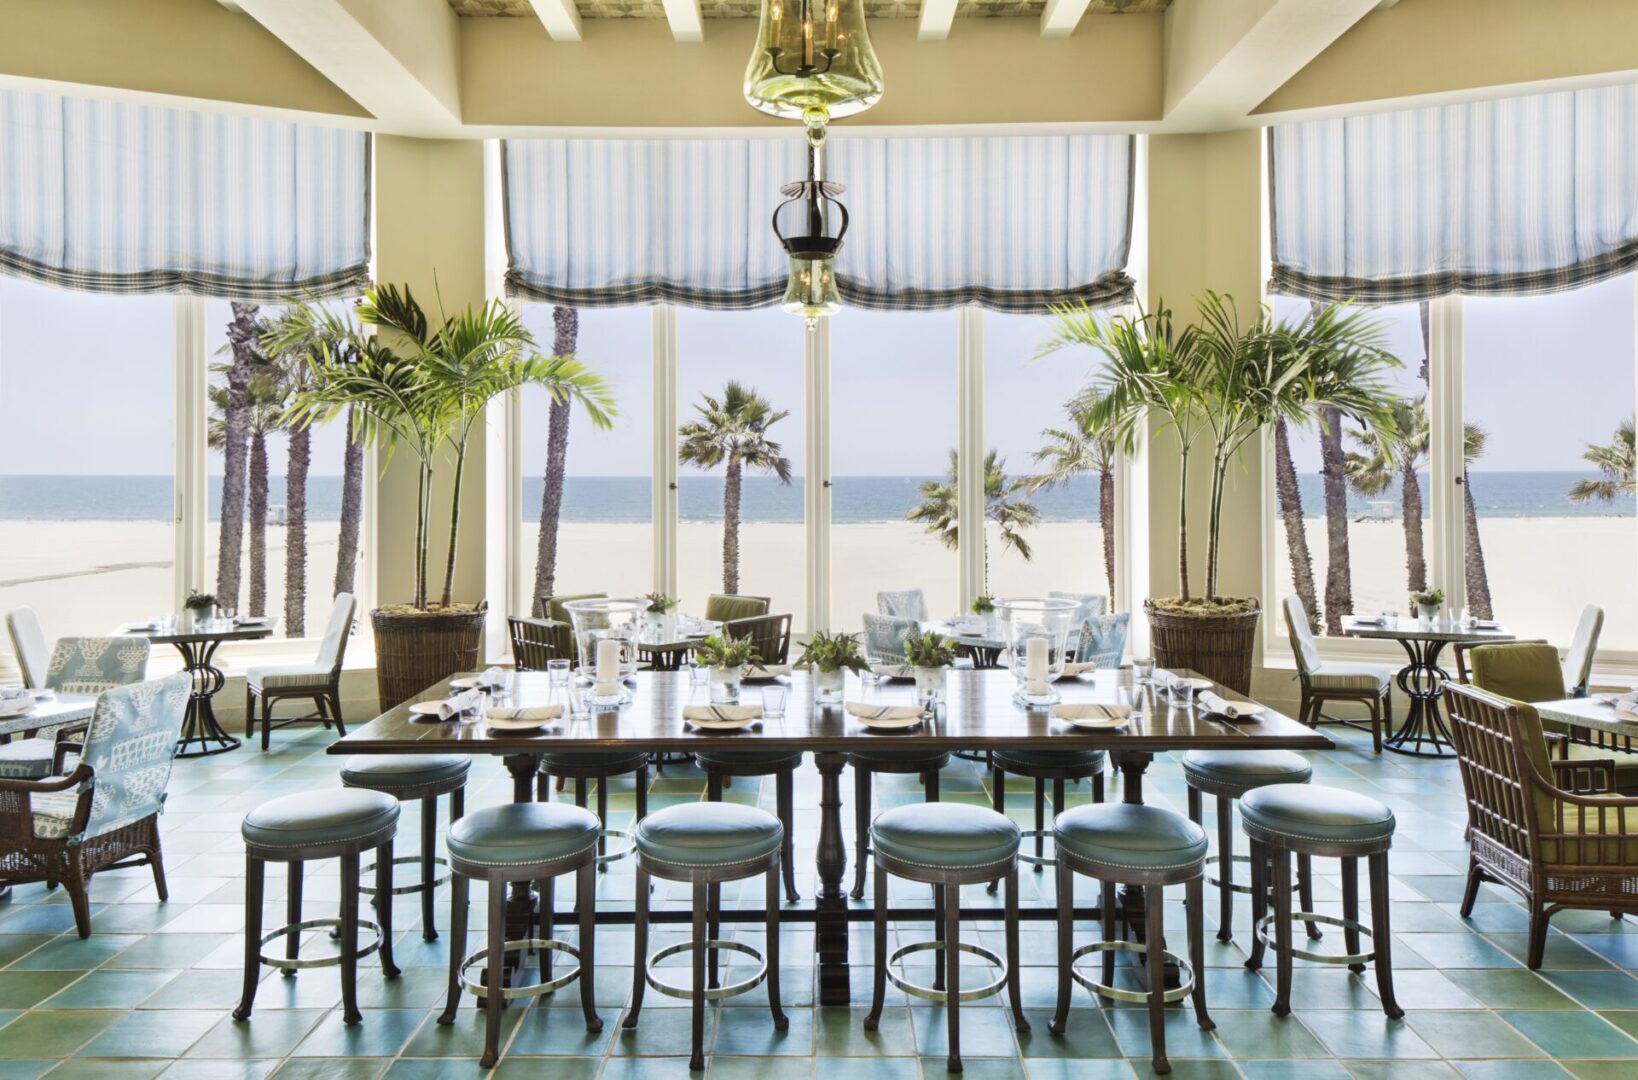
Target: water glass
{"x":1143,"y":670}
{"x":697,"y":673}
{"x":1182,"y":693}
{"x":773,"y":702}
{"x":578,"y":699}
{"x":557,"y":671}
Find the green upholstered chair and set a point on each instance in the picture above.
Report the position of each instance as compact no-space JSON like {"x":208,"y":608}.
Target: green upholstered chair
{"x":1549,"y":830}
{"x":76,"y":665}
{"x":725,"y":607}
{"x":770,"y":635}
{"x":903,"y":604}
{"x":1323,"y":681}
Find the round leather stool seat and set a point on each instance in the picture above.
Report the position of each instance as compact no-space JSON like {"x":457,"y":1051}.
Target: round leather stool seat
{"x":709,"y":834}
{"x":320,"y":818}
{"x":1300,"y":812}
{"x":771,"y":760}
{"x":946,"y":836}
{"x":1134,"y":837}
{"x":1022,"y":761}
{"x":899,"y":759}
{"x":523,"y":833}
{"x":391,"y":772}
{"x":1234,"y":772}
{"x":611,"y":761}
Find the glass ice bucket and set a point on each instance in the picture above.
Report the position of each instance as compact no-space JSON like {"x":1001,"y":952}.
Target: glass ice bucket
{"x":618,"y":619}
{"x":1035,"y":636}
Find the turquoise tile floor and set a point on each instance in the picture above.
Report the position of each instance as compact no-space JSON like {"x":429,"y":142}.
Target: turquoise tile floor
{"x":149,"y":994}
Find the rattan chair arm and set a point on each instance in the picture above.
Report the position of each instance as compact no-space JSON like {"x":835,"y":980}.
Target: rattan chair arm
{"x":1576,"y":798}
{"x":47,"y":786}
{"x":1600,"y":775}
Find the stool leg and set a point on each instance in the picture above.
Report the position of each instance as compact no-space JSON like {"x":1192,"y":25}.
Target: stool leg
{"x":383,"y":894}
{"x":1281,"y":858}
{"x":495,"y":983}
{"x":1381,"y":935}
{"x":603,"y":819}
{"x":255,"y":875}
{"x":458,"y":898}
{"x":639,"y":924}
{"x":1259,"y":902}
{"x":586,"y":880}
{"x":349,"y":940}
{"x":548,"y":921}
{"x":770,"y":933}
{"x":1305,"y":887}
{"x":642,"y":792}
{"x":932,"y":792}
{"x":457,"y":804}
{"x":1015,"y":988}
{"x":1040,"y":820}
{"x":878,"y":914}
{"x":1195,"y":896}
{"x":998,"y":800}
{"x":785,"y":792}
{"x":1106,"y":905}
{"x":1350,"y":910}
{"x":1097,"y":787}
{"x":696,"y":1058}
{"x":938,"y":932}
{"x":1225,"y":868}
{"x":1155,"y":961}
{"x":292,"y":912}
{"x":429,"y":851}
{"x":861,"y":828}
{"x":952,"y":972}
{"x":1064,"y":899}
{"x":1057,"y":808}
{"x":713,"y":929}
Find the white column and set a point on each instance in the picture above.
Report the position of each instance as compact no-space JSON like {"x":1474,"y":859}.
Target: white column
{"x":970,"y":452}
{"x":505,"y":583}
{"x":663,"y":490}
{"x":816,"y":483}
{"x":1447,"y":562}
{"x":190,"y":495}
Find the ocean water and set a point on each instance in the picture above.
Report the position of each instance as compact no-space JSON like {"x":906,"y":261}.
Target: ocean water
{"x":854,"y":499}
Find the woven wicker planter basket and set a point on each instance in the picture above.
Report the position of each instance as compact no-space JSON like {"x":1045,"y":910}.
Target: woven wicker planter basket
{"x":413,"y":650}
{"x":1220,"y":647}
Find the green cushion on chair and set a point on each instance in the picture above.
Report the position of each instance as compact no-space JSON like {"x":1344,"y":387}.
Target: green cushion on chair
{"x":1626,"y":762}
{"x":1518,"y":670}
{"x":1247,"y":769}
{"x":318,"y":818}
{"x":709,"y":834}
{"x":1133,"y":836}
{"x":1614,"y":849}
{"x":1312,"y":812}
{"x":522,"y":833}
{"x":720,"y":607}
{"x":771,"y":760}
{"x":386,"y":772}
{"x":945,"y":835}
{"x":1022,"y":761}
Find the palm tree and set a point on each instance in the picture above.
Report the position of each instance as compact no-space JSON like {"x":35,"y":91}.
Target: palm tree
{"x":566,"y":335}
{"x":285,"y":350}
{"x":261,"y":413}
{"x":235,"y":436}
{"x":1478,"y":579}
{"x":1082,"y":448}
{"x":732,"y":431}
{"x":352,"y":505}
{"x":1616,"y":461}
{"x":938,"y":509}
{"x":1289,"y":494}
{"x":1370,"y":472}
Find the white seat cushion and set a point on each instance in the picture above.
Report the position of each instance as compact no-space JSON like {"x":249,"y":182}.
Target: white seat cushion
{"x":288,"y":676}
{"x":1366,"y":678}
{"x":27,"y":759}
{"x":53,"y":814}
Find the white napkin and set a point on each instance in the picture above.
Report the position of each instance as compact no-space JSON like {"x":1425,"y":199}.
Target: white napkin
{"x":1079,"y":667}
{"x":1092,"y":712}
{"x":460,"y":703}
{"x":894,"y":671}
{"x":1231,"y":710}
{"x":1486,"y":624}
{"x":1626,"y":712}
{"x":721,"y":714}
{"x":767,"y":671}
{"x":884,"y":712}
{"x":490,"y":679}
{"x":9,"y":692}
{"x":507,"y":714}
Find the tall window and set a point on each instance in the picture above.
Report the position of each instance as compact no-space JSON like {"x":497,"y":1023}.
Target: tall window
{"x":893,"y":440}
{"x":740,"y":462}
{"x":86,"y":457}
{"x":600,"y":477}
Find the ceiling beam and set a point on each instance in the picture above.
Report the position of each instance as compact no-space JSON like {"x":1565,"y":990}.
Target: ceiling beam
{"x":560,"y":18}
{"x":399,"y":61}
{"x":685,"y":20}
{"x":936,"y":18}
{"x":1223,"y":58}
{"x":1062,"y":16}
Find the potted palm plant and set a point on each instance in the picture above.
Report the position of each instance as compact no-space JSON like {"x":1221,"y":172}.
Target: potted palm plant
{"x":726,"y":657}
{"x":829,"y":657}
{"x":1216,"y":385}
{"x":930,"y":655}
{"x":421,"y":389}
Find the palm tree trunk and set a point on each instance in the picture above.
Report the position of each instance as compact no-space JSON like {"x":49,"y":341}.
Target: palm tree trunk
{"x":295,"y":532}
{"x":1183,"y":520}
{"x":230,"y":541}
{"x":1478,"y":579}
{"x":1106,"y":517}
{"x":454,"y":528}
{"x":1289,"y":493}
{"x":352,"y":506}
{"x":256,"y":503}
{"x":423,"y":530}
{"x":1410,"y":501}
{"x":730,"y":526}
{"x":566,"y":321}
{"x":1339,"y":588}
{"x":1214,"y":523}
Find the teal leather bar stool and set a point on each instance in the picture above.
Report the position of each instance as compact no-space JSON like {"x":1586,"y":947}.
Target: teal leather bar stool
{"x":1312,"y":820}
{"x":1061,"y":767}
{"x":706,"y":844}
{"x":946,"y":845}
{"x":422,"y":778}
{"x":925,"y":763}
{"x":602,"y":766}
{"x":1147,"y":846}
{"x":522,"y":842}
{"x":1227,"y":775}
{"x":295,"y":830}
{"x":782,"y":767}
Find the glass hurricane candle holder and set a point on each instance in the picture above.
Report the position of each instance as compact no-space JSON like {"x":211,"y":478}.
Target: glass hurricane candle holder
{"x":617,"y":621}
{"x":1034,"y":632}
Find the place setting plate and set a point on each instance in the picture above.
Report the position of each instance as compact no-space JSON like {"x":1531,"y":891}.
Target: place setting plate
{"x":535,"y":720}
{"x":719,"y":718}
{"x":1093,"y":717}
{"x":887,"y":717}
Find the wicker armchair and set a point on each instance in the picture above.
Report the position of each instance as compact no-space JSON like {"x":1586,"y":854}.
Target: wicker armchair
{"x":76,"y":665}
{"x":1549,"y":830}
{"x":770,"y":635}
{"x":725,"y":607}
{"x":105,"y":814}
{"x":535,"y":641}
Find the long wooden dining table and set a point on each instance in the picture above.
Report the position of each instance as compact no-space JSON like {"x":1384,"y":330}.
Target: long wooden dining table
{"x":978,"y":715}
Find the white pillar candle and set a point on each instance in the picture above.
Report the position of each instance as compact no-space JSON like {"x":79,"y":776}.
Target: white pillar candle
{"x":608,"y":665}
{"x":1035,"y":658}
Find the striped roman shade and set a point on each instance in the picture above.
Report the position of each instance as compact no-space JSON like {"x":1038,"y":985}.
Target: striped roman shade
{"x":117,"y":197}
{"x":1013,"y":223}
{"x":1519,"y":196}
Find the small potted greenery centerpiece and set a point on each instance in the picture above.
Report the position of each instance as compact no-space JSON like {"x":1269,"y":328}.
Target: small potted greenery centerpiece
{"x":201,"y":607}
{"x":1427,"y":604}
{"x":829,"y":657}
{"x":984,"y":605}
{"x":930,"y":655}
{"x":726,"y":657}
{"x":658,"y":612}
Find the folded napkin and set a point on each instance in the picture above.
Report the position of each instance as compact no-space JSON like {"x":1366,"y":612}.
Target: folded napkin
{"x":1231,"y":710}
{"x":767,"y":671}
{"x":7,"y":693}
{"x":1626,"y":712}
{"x":721,"y":714}
{"x":894,"y":671}
{"x":1486,"y":624}
{"x":885,"y":712}
{"x":490,"y":679}
{"x":465,"y":701}
{"x":1079,"y":668}
{"x":1092,"y":712}
{"x":542,"y":713}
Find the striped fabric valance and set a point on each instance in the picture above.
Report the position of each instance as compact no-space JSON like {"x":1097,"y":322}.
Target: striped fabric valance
{"x":115,"y":197}
{"x":1519,"y":196}
{"x":1013,"y":223}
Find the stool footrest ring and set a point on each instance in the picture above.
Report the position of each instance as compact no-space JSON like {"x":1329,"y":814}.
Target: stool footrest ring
{"x":368,"y":872}
{"x":330,"y":960}
{"x":1232,"y":886}
{"x":629,"y":848}
{"x":512,"y":993}
{"x":1261,"y":930}
{"x":927,"y":992}
{"x":1034,"y":860}
{"x":1185,"y":973}
{"x":686,"y":993}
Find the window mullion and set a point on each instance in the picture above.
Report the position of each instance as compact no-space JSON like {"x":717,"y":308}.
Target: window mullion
{"x":190,"y":493}
{"x":816,"y":490}
{"x":663,"y":491}
{"x":970,"y":453}
{"x":1446,"y":454}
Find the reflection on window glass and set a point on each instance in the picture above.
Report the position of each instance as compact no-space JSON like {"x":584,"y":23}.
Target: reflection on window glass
{"x":594,"y":482}
{"x":86,"y":457}
{"x":740,"y":465}
{"x":1548,"y":403}
{"x":893,"y":439}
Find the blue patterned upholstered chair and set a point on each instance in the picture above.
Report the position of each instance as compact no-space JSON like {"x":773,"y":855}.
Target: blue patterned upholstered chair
{"x":318,"y":682}
{"x":28,"y":644}
{"x":884,"y":636}
{"x":1090,"y":603}
{"x":105,"y":813}
{"x":77,"y":665}
{"x":1103,"y":639}
{"x":905,"y":604}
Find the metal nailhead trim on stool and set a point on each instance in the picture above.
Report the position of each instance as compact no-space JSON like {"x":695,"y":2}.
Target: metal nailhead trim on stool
{"x":512,"y":993}
{"x":1185,"y":972}
{"x":287,"y":964}
{"x":1261,"y":930}
{"x":917,"y":990}
{"x":686,"y":993}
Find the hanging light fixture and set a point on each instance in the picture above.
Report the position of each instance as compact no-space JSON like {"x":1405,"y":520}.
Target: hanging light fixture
{"x":813,"y":62}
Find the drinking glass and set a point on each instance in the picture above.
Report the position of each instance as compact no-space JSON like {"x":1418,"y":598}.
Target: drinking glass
{"x":579,"y":701}
{"x":1182,"y":693}
{"x":557,"y":671}
{"x":697,"y":673}
{"x":773,"y":702}
{"x":1143,"y":670}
